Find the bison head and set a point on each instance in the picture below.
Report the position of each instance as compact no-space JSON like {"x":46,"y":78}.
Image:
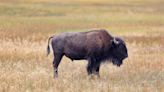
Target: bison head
{"x":119,"y":51}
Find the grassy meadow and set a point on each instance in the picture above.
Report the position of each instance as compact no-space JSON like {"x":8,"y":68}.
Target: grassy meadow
{"x":25,"y":26}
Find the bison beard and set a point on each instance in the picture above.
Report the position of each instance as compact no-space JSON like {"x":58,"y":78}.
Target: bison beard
{"x":95,"y":46}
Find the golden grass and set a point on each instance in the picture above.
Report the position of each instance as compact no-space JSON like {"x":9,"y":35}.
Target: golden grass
{"x":143,"y":70}
{"x":25,"y":26}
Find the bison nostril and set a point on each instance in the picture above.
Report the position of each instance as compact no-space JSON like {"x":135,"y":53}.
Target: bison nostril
{"x":126,"y":55}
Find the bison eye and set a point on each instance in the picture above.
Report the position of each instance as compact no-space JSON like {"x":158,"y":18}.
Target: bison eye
{"x":120,"y":46}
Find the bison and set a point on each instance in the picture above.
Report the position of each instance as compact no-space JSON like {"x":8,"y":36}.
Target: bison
{"x":95,"y":46}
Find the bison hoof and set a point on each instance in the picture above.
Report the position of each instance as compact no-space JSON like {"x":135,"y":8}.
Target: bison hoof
{"x":93,"y":77}
{"x":55,"y":76}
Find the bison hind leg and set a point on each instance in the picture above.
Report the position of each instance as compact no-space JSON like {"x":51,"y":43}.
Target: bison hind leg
{"x":56,"y":62}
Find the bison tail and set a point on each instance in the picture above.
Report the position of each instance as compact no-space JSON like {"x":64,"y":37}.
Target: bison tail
{"x":48,"y":47}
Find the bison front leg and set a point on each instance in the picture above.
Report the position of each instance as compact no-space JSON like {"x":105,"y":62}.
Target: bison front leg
{"x":56,"y":62}
{"x":93,"y":67}
{"x":96,"y":69}
{"x":89,"y":67}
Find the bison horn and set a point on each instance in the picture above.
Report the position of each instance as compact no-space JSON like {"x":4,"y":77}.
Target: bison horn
{"x":115,"y":41}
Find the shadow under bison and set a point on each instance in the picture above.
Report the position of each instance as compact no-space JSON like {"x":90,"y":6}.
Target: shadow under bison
{"x":96,"y":46}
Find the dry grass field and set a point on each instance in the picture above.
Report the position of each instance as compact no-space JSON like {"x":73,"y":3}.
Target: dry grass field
{"x":25,"y":26}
